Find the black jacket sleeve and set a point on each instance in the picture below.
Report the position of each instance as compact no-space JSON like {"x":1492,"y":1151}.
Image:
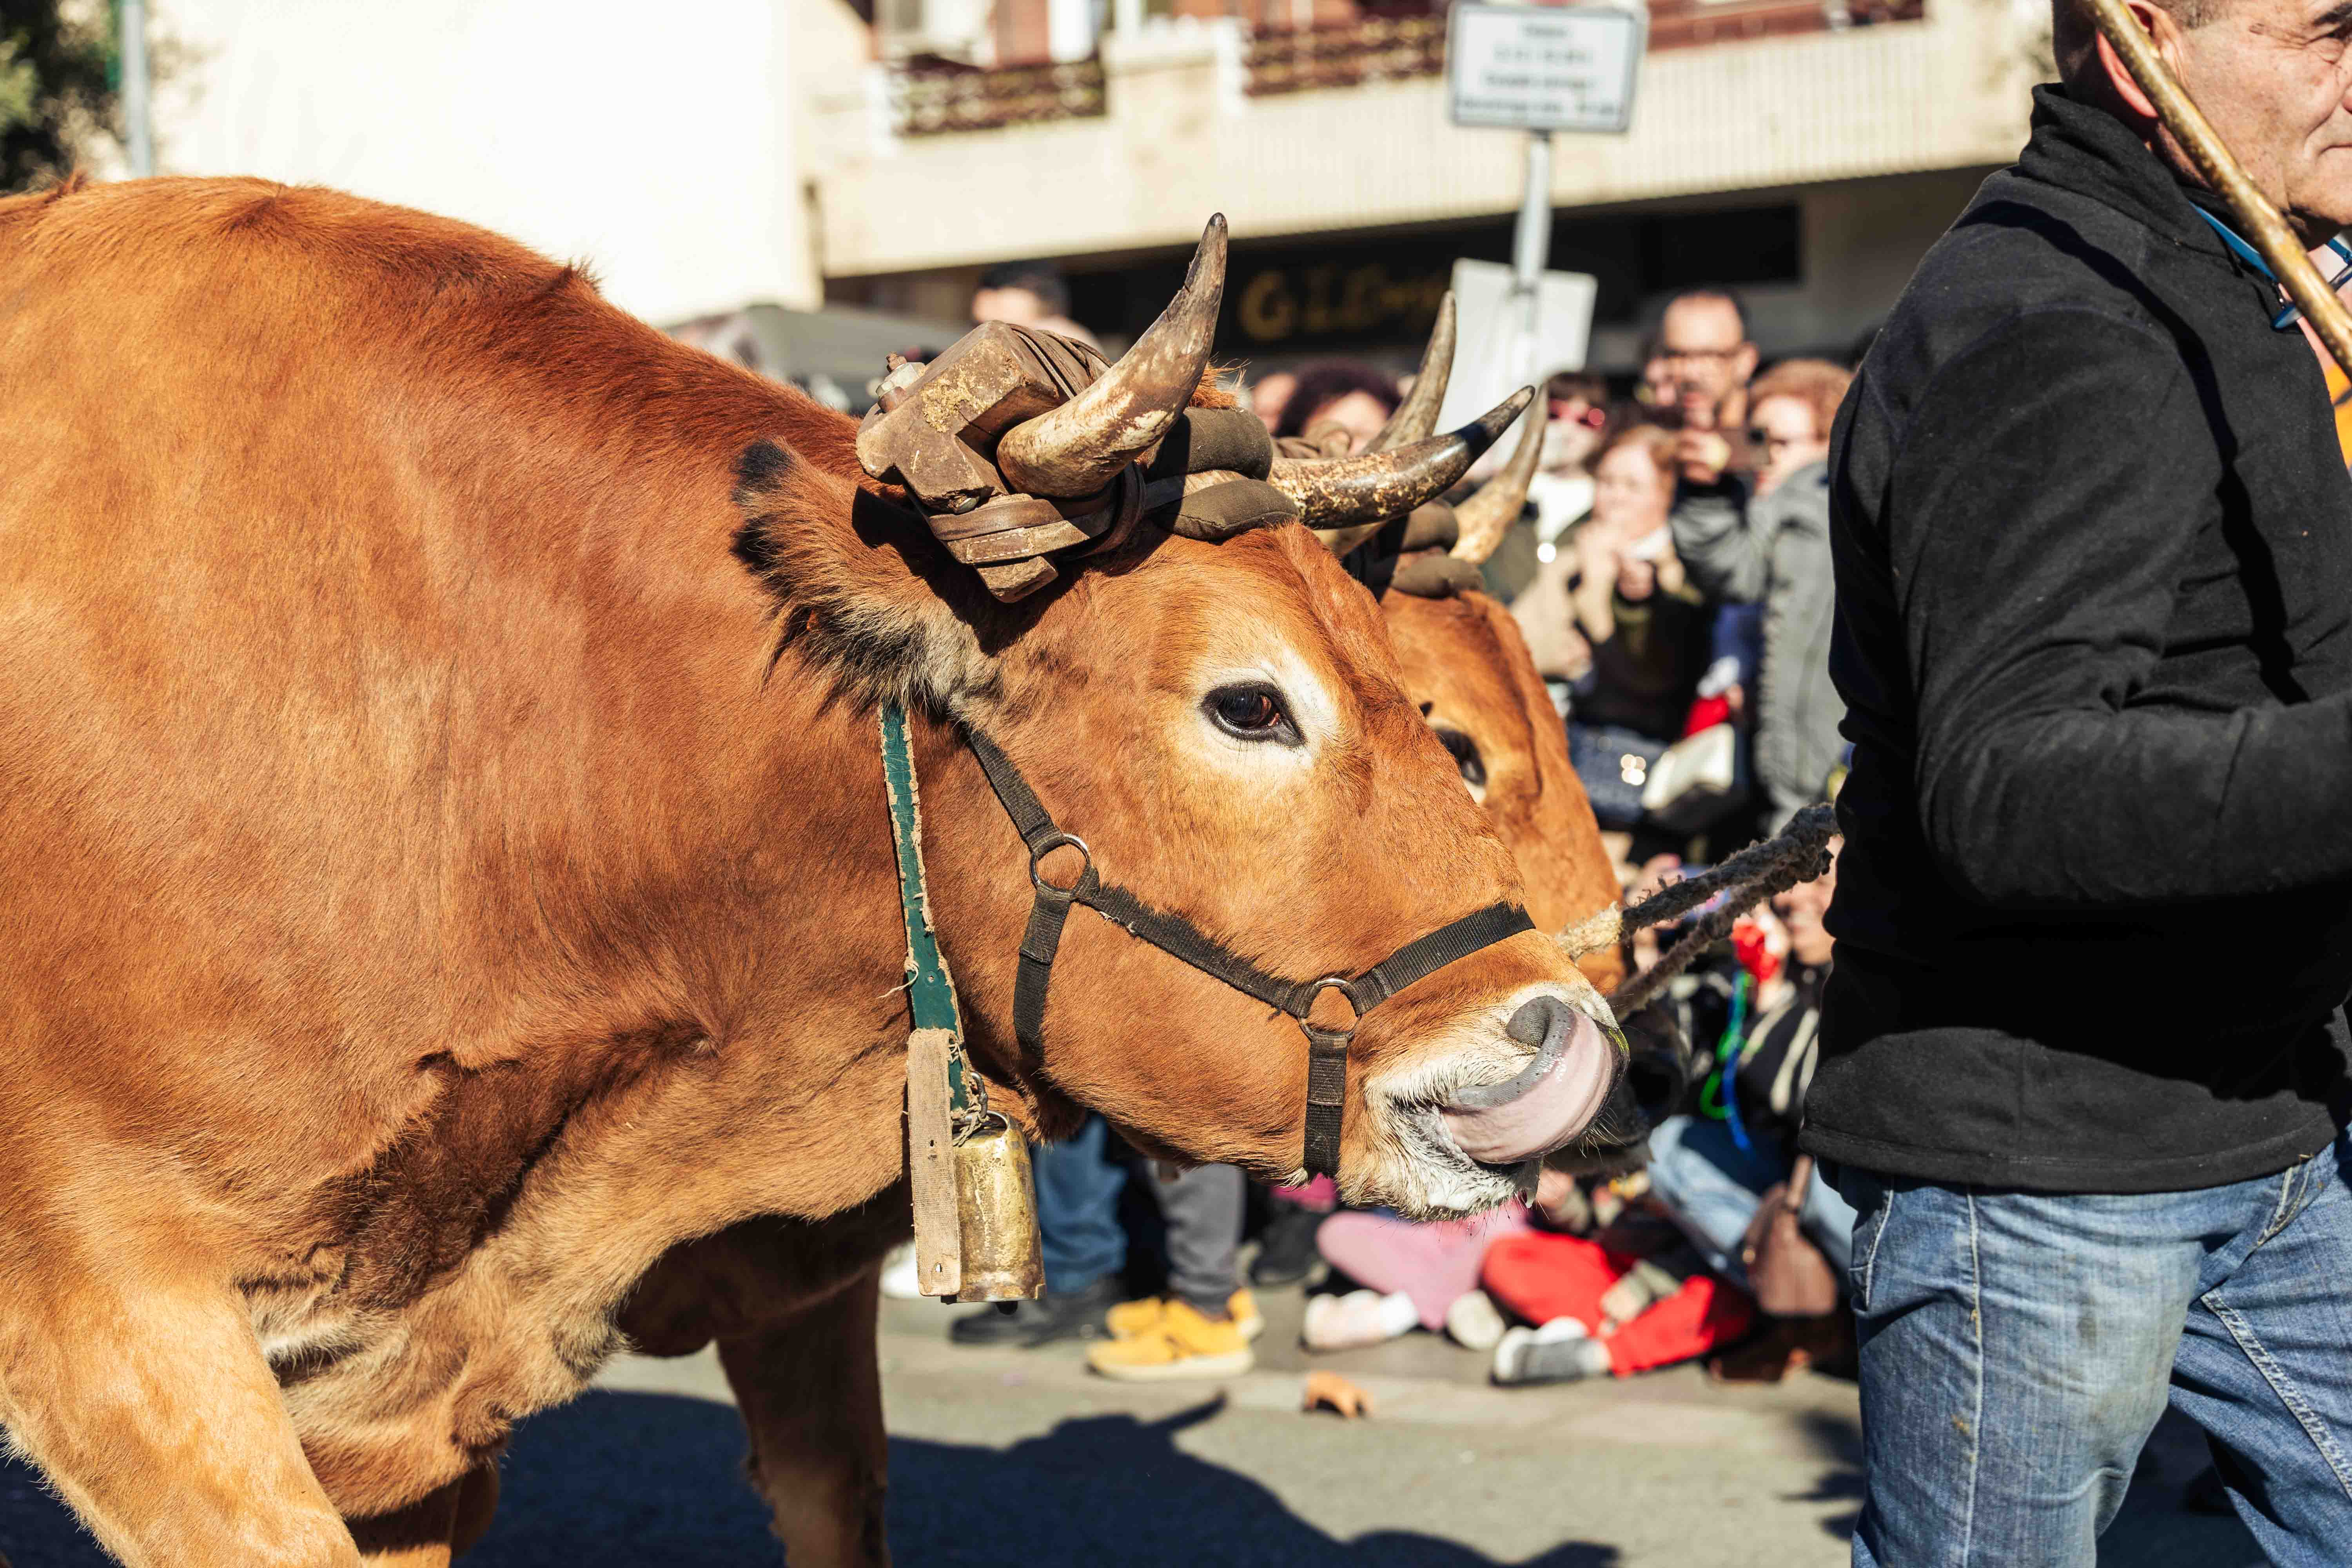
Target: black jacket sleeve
{"x":2047,"y":489}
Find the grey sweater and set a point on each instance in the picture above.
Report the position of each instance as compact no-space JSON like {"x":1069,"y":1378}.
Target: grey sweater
{"x":1775,"y":550}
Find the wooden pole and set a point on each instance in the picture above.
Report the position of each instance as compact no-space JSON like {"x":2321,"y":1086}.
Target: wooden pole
{"x":2261,"y":222}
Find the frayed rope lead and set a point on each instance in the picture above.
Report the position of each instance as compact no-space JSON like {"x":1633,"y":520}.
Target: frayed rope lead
{"x":1761,"y":871}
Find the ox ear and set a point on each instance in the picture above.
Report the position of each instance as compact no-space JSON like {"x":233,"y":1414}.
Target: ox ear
{"x":858,"y":588}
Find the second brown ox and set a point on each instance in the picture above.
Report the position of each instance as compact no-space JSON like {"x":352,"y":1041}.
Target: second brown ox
{"x":446,"y":869}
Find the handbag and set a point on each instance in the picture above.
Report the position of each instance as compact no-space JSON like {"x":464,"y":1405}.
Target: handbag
{"x":1697,"y":780}
{"x":1786,"y":1273}
{"x":1614,"y":764}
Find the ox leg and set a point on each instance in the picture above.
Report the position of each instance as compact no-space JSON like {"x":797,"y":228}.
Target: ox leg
{"x":430,"y":1533}
{"x":416,"y":1536}
{"x":477,"y":1504}
{"x":810,"y":1394}
{"x":152,"y":1413}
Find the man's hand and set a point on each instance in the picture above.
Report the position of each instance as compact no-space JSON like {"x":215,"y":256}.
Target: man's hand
{"x":1703,"y":455}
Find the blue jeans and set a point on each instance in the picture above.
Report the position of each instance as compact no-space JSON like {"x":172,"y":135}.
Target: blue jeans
{"x":1078,"y":1183}
{"x":2017,"y":1349}
{"x":1711,"y":1186}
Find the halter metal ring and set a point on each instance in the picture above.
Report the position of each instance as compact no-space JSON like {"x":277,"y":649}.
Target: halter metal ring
{"x":1342,"y":984}
{"x":1046,"y":845}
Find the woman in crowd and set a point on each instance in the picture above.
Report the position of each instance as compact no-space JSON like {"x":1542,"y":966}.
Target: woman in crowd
{"x":1767,"y":541}
{"x":1357,"y":396}
{"x":1616,"y":620}
{"x":1576,"y":414}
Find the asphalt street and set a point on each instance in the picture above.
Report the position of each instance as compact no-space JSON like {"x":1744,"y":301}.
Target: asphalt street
{"x":1024,"y":1458}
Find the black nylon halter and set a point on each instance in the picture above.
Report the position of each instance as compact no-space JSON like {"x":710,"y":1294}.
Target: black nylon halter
{"x":1327,"y":1049}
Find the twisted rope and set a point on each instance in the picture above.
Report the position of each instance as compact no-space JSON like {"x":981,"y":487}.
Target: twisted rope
{"x":1798,"y":854}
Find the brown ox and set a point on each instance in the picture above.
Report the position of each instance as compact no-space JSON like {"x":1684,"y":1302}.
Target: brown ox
{"x":801,"y":1363}
{"x":446,"y":867}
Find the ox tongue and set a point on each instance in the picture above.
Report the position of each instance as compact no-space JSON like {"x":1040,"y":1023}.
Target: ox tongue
{"x":1548,"y":1110}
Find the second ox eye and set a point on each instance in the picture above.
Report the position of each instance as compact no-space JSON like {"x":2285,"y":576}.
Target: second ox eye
{"x":1466,"y":756}
{"x":1465,"y":752}
{"x":1251,"y":712}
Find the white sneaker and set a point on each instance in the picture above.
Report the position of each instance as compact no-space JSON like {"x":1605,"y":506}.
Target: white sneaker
{"x":1562,"y":1351}
{"x":1358,"y":1319}
{"x":900,"y":1280}
{"x":1474,"y":1322}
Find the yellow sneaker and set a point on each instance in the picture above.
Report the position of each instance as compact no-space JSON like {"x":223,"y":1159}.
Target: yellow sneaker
{"x":1182,"y":1344}
{"x":1132,"y":1320}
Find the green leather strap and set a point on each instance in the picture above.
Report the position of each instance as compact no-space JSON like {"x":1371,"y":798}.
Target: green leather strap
{"x":930,"y":990}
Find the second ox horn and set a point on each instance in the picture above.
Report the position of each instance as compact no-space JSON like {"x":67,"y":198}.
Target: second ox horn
{"x":1077,"y":448}
{"x":1482,"y":519}
{"x":1370,"y":488}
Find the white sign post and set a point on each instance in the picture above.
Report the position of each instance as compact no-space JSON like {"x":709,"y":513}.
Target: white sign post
{"x":1541,"y":70}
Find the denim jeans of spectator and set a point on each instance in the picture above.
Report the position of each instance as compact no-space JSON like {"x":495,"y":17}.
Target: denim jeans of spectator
{"x":1712,"y":1185}
{"x":2017,"y":1349}
{"x":1078,"y":1183}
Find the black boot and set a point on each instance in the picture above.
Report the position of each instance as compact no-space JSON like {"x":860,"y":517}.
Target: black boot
{"x":1075,"y":1316}
{"x":1287,"y":1246}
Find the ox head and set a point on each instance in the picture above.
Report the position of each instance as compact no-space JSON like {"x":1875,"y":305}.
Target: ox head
{"x":1226,"y":726}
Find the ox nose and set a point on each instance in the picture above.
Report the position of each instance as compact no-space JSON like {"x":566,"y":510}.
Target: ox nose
{"x":1575,"y":1071}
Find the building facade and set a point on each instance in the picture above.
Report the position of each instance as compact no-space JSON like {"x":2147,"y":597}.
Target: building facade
{"x":658,"y":146}
{"x":1806,"y":151}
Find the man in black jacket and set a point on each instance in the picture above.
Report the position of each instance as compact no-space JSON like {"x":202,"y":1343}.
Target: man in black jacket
{"x":2085,"y":1063}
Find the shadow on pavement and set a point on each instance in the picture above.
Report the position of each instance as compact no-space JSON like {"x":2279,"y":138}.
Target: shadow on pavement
{"x":622,"y":1481}
{"x":1837,"y":1438}
{"x":1113,"y":1489}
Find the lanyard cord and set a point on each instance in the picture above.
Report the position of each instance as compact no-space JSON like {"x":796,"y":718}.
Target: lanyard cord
{"x":2246,"y":253}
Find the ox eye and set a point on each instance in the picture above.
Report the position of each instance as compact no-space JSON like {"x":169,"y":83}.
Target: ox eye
{"x":1253,"y":712}
{"x":1465,"y":757}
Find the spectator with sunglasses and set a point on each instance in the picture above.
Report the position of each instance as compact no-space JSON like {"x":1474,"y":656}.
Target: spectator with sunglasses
{"x":1560,"y":495}
{"x":1765,"y":539}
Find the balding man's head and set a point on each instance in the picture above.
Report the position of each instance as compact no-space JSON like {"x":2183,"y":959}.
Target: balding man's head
{"x":2274,"y":77}
{"x":1703,"y":338}
{"x":2073,"y":32}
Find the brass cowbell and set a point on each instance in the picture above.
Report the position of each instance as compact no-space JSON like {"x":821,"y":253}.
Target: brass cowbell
{"x":996,"y":1212}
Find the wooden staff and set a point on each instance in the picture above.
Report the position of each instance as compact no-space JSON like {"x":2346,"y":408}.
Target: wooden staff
{"x":2279,"y":246}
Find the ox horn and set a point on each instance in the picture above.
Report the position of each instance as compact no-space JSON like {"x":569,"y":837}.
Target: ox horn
{"x":1338,"y":493}
{"x":1078,"y":448}
{"x":1416,"y":416}
{"x":1485,"y":517}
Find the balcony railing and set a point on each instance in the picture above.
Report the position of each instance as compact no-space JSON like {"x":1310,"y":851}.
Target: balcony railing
{"x":930,"y":101}
{"x":1399,"y":41}
{"x":1684,"y":24}
{"x":1348,"y":54}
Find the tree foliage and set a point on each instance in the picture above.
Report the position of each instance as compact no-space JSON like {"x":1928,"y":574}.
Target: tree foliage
{"x":56,"y":87}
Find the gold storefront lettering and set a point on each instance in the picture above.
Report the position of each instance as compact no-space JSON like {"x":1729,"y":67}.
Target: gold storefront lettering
{"x":1268,"y":311}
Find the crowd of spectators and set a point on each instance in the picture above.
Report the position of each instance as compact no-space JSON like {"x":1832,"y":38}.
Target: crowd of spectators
{"x":1671,"y":572}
